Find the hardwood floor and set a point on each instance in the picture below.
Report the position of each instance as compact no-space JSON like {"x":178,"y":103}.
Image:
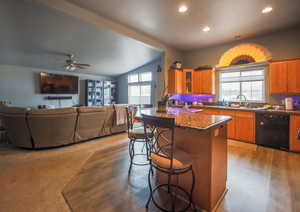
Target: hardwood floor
{"x":259,"y":180}
{"x":92,"y":176}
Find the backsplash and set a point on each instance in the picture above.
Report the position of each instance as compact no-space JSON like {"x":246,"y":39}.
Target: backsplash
{"x":279,"y":99}
{"x":193,"y":97}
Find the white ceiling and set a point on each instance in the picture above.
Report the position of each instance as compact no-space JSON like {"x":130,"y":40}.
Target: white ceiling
{"x":36,"y":36}
{"x":226,"y":18}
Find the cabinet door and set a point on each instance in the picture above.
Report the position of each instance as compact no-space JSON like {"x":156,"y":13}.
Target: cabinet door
{"x":231,"y":123}
{"x":197,"y":82}
{"x":175,"y":82}
{"x":278,"y":78}
{"x":293,"y":73}
{"x":188,"y":81}
{"x":207,"y":82}
{"x":245,"y":126}
{"x":294,"y":128}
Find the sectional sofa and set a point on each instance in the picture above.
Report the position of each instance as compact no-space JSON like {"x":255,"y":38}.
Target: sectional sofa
{"x":44,"y":128}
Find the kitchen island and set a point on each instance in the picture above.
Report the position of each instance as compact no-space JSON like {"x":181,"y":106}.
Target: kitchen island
{"x":204,"y":138}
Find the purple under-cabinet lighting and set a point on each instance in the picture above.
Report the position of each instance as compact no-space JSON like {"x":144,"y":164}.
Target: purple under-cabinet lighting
{"x":192,"y":97}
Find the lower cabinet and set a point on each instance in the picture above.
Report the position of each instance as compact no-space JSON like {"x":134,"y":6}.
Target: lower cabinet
{"x":294,"y":128}
{"x":242,"y":125}
{"x":231,"y":124}
{"x":245,"y":126}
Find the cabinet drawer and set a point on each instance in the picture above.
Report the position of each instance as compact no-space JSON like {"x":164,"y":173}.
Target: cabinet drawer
{"x":245,"y":114}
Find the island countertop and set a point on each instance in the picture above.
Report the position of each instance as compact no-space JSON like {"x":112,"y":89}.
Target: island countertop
{"x":187,"y":118}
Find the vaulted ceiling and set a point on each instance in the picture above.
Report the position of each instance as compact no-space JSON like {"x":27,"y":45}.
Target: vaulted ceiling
{"x":36,"y":36}
{"x":226,"y":18}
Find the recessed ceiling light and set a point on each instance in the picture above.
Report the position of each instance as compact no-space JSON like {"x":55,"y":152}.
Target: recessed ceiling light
{"x":267,"y":10}
{"x":182,"y":9}
{"x":206,"y":29}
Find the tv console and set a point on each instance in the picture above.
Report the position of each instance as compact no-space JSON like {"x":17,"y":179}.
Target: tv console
{"x":58,"y":97}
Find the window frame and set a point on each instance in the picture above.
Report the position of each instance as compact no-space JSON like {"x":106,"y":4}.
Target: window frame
{"x":241,"y":69}
{"x":141,"y":83}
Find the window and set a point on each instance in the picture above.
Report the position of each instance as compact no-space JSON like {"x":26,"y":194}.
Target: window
{"x":133,"y":78}
{"x":245,"y":81}
{"x":139,"y":88}
{"x":146,"y":76}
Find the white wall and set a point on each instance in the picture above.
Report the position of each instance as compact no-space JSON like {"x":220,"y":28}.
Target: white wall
{"x":21,"y":86}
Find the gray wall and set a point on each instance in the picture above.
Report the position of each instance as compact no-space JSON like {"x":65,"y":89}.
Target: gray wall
{"x":282,"y":45}
{"x":20,"y":85}
{"x":123,"y":81}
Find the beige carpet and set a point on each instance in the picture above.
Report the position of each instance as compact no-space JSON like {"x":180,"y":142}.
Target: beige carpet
{"x":32,"y":181}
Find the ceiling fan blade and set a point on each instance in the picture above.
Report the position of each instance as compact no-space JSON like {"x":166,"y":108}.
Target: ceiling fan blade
{"x":79,"y":64}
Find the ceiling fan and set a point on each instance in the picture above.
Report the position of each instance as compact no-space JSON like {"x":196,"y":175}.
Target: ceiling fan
{"x":71,"y":64}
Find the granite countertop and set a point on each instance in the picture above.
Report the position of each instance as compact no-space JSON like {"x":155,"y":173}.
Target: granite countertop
{"x":187,"y":118}
{"x":256,"y":110}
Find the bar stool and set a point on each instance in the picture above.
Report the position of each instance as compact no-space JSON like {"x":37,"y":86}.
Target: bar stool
{"x":137,"y":135}
{"x":167,"y":160}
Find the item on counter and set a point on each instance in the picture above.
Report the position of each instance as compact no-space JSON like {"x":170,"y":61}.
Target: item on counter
{"x":186,"y":105}
{"x":235,"y":105}
{"x":288,"y":102}
{"x":276,"y":107}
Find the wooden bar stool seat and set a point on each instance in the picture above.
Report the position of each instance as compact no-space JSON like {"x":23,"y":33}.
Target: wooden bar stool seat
{"x":139,"y":133}
{"x":181,"y":160}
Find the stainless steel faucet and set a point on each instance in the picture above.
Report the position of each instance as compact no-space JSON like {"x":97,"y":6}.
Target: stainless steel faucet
{"x":240,"y":98}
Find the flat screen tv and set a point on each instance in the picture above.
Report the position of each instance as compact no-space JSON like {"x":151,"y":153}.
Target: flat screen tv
{"x":58,"y":84}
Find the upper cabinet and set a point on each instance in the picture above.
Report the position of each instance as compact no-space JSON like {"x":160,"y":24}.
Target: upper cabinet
{"x":175,"y":81}
{"x":283,"y":77}
{"x":204,"y":82}
{"x":293,"y":76}
{"x":189,"y":81}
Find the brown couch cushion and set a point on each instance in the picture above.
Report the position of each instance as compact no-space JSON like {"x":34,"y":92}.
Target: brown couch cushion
{"x":52,"y":127}
{"x":90,"y":122}
{"x":109,"y":120}
{"x":14,"y":121}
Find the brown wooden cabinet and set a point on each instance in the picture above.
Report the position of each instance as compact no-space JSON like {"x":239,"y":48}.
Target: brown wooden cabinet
{"x":245,"y":126}
{"x":284,"y":77}
{"x":278,"y":77}
{"x":188,"y":81}
{"x":293,"y":76}
{"x":204,"y":82}
{"x":175,"y":82}
{"x":231,"y":124}
{"x":294,"y":128}
{"x":242,"y":125}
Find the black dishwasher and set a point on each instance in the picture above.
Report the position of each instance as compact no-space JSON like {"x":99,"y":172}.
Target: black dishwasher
{"x":272,"y":130}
